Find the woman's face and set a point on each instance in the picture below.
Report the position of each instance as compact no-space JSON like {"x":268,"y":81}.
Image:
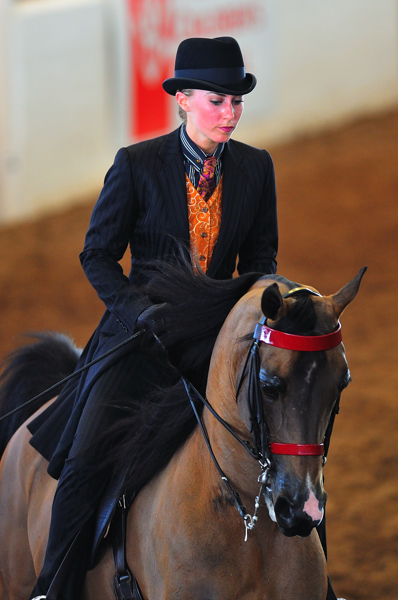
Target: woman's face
{"x":211,"y":117}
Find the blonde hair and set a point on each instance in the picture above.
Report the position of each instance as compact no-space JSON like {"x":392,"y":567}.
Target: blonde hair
{"x":181,"y":112}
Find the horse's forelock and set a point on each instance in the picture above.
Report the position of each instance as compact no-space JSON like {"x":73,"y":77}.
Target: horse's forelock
{"x":301,"y":316}
{"x":300,"y":319}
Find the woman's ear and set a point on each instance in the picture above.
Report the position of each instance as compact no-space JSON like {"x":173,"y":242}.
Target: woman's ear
{"x":182,"y":101}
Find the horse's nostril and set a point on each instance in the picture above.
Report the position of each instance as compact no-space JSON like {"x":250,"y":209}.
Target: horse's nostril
{"x":283,"y":508}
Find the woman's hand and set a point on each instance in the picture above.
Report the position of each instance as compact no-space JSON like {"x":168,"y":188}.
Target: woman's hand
{"x":150,"y":316}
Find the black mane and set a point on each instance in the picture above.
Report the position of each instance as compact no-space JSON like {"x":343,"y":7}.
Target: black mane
{"x":194,"y":308}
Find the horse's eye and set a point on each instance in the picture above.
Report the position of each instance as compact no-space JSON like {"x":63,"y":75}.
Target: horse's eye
{"x":271,"y":385}
{"x":269,"y":391}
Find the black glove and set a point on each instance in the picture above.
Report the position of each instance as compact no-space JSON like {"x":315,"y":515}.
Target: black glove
{"x":151,"y":319}
{"x":149,"y":316}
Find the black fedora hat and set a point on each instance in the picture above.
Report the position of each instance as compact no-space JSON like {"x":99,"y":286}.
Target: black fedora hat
{"x":210,"y":64}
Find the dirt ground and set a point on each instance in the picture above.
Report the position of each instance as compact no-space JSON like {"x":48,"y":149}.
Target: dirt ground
{"x":338,"y":211}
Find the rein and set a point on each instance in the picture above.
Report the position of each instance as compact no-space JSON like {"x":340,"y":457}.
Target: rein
{"x":263,"y":449}
{"x":265,"y":464}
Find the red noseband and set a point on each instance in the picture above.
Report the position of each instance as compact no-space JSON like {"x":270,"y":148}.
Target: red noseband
{"x":297,"y":449}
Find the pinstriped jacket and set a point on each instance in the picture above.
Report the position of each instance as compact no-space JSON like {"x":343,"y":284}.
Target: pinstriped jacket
{"x":143,"y":205}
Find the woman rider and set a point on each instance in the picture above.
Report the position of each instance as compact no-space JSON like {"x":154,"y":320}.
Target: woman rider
{"x":193,"y":187}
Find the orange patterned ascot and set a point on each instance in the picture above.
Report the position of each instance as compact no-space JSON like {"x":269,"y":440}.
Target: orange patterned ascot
{"x":207,"y":183}
{"x":204,"y":222}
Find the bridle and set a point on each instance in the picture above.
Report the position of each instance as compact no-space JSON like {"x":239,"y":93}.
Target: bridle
{"x":262,"y":450}
{"x":300,"y":343}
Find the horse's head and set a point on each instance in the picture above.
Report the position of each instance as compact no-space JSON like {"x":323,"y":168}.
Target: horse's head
{"x":301,"y":371}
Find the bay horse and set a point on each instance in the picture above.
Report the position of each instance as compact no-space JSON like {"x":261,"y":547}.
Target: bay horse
{"x":232,"y":513}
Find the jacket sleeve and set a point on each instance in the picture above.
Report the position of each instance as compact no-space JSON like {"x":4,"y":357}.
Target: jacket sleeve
{"x":107,"y":239}
{"x":259,"y":250}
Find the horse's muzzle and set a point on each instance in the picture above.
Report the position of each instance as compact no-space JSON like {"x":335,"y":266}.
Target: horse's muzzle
{"x":293,"y":520}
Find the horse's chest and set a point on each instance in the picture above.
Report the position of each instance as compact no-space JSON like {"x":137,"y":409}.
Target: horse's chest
{"x":215,"y":575}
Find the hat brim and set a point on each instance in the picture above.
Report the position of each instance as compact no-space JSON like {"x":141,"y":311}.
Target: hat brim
{"x":173,"y":84}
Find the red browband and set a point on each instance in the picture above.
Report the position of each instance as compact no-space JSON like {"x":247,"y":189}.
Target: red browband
{"x":306,"y":343}
{"x":297,"y":449}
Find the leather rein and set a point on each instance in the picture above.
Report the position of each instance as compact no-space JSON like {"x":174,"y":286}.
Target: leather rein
{"x":262,"y":450}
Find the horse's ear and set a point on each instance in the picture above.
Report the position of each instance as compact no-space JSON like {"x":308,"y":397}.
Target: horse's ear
{"x":272,"y":302}
{"x":343,"y":297}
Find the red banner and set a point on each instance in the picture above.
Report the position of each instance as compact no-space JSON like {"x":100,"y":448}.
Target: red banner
{"x":148,"y":102}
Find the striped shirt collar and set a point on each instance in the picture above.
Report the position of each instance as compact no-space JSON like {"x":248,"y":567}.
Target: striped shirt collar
{"x":194,"y":157}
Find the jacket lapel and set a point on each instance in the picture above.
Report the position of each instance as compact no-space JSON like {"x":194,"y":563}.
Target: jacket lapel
{"x":171,"y":176}
{"x":233,"y":199}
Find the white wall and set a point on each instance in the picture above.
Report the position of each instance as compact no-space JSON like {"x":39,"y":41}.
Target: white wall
{"x":67,"y":87}
{"x":333,"y":61}
{"x":55,"y":112}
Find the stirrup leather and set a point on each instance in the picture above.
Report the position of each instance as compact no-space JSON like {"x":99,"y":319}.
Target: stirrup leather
{"x":125,"y":585}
